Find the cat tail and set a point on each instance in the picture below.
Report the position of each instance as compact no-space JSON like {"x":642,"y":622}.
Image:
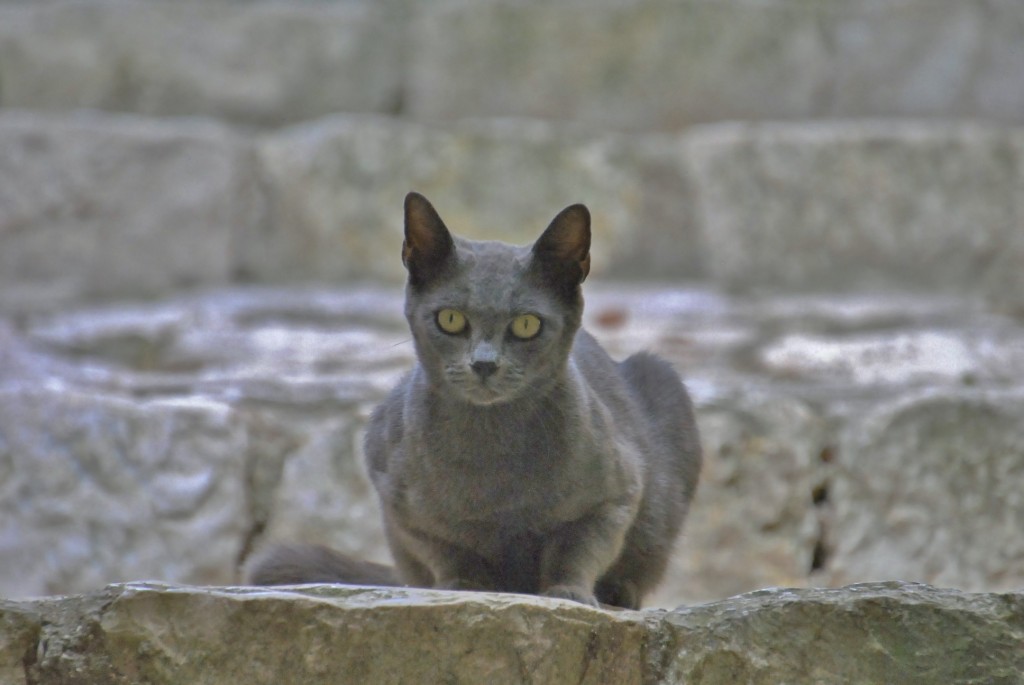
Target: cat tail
{"x":297,"y":563}
{"x":655,"y":383}
{"x":668,"y":408}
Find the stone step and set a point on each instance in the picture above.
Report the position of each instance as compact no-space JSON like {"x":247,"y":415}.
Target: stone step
{"x":862,"y":205}
{"x":255,"y":63}
{"x":652,"y":64}
{"x":667,"y":64}
{"x":169,"y":634}
{"x":99,"y":206}
{"x":95,"y":205}
{"x":847,"y":438}
{"x":335,"y":190}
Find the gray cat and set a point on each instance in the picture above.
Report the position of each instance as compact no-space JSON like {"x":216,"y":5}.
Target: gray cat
{"x":517,"y":456}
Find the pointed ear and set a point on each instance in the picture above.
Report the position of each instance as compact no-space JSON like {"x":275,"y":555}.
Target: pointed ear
{"x":563,"y":250}
{"x":428,"y":246}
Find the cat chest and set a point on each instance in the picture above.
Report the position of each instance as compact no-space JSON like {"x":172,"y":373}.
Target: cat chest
{"x":510,"y":495}
{"x":502,"y":497}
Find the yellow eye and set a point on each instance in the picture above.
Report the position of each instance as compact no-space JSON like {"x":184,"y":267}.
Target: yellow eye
{"x":525,"y":326}
{"x":451,"y":321}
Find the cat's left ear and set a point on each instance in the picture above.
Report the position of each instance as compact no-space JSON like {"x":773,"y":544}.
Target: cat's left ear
{"x":564,"y":247}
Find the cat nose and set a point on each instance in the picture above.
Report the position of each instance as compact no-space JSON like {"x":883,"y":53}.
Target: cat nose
{"x":484,"y":360}
{"x":484,"y":369}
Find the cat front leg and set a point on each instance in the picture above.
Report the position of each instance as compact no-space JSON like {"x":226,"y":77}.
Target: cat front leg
{"x":459,"y":569}
{"x":579,"y":552}
{"x":425,"y":560}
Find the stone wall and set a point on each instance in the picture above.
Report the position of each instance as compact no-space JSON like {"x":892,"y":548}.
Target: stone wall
{"x":100,"y":205}
{"x":911,"y":174}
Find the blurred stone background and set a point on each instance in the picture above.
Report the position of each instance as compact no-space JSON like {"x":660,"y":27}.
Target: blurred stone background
{"x":814,"y":209}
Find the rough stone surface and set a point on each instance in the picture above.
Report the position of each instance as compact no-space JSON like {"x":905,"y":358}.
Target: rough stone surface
{"x":870,"y":633}
{"x":173,"y":634}
{"x":248,"y":62}
{"x":862,"y":205}
{"x":96,"y":488}
{"x":754,"y":522}
{"x":336,"y":188}
{"x":96,"y":206}
{"x":20,"y":628}
{"x":258,"y":398}
{"x":928,"y":487}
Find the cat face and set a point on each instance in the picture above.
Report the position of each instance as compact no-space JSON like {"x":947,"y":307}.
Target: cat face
{"x":493,"y":323}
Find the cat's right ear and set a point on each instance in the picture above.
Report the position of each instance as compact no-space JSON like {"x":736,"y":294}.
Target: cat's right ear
{"x":428,"y":246}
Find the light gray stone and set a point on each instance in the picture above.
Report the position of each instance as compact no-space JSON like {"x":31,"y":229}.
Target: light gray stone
{"x":262,"y":63}
{"x":666,"y":65}
{"x":927,"y":488}
{"x":96,"y":205}
{"x":911,"y":358}
{"x":632,"y":65}
{"x":336,"y":188}
{"x":866,"y":205}
{"x":754,"y":521}
{"x":324,"y":496}
{"x":798,"y":400}
{"x":87,"y":211}
{"x":294,"y":373}
{"x":98,"y":488}
{"x":929,"y":58}
{"x":653,"y":64}
{"x":163,"y":634}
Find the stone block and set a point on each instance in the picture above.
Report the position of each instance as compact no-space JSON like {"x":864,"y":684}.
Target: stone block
{"x":94,"y":205}
{"x":945,"y":59}
{"x":868,"y":205}
{"x":263,"y":63}
{"x":866,"y":633}
{"x":20,"y":628}
{"x":628,"y":65}
{"x":96,"y":488}
{"x":336,"y":188}
{"x":324,"y":496}
{"x":667,"y":65}
{"x":753,"y":522}
{"x":927,"y":488}
{"x":290,"y":375}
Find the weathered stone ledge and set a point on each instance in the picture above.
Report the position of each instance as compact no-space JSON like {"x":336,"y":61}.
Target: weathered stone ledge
{"x":172,"y":635}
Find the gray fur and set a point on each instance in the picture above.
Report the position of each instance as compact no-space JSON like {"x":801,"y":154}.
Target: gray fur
{"x":295,"y":563}
{"x":538,"y":466}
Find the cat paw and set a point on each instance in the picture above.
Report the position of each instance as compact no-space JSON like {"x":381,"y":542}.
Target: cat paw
{"x":625,"y":594}
{"x":574,"y":592}
{"x":460,"y":584}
